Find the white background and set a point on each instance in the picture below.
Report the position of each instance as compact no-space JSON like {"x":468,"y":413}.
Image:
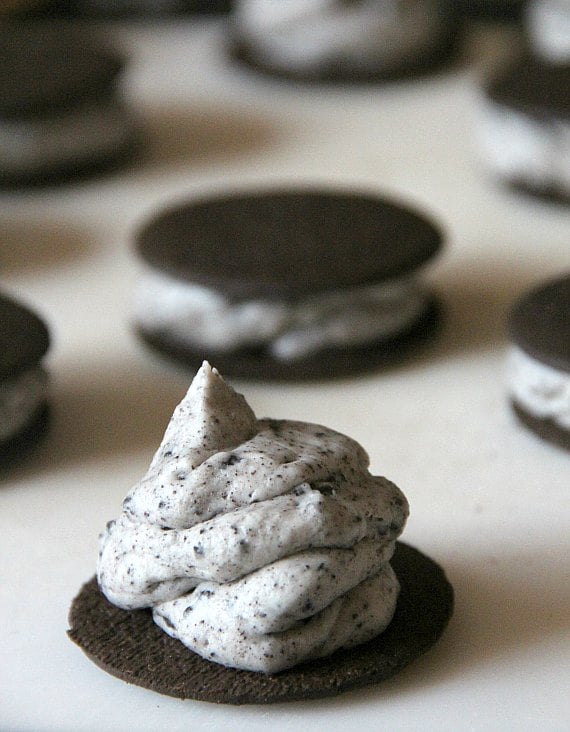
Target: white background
{"x":490,"y":502}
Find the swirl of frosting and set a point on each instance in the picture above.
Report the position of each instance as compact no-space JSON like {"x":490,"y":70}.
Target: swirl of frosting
{"x":257,"y":543}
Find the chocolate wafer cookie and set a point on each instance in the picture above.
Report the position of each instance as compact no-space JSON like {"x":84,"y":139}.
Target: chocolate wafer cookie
{"x":130,"y":646}
{"x":60,"y":110}
{"x":539,"y":327}
{"x":524,"y":129}
{"x":287,"y":284}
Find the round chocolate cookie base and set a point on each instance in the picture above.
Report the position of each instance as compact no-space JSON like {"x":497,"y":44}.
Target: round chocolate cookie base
{"x":546,"y":429}
{"x":327,"y":364}
{"x":71,"y":171}
{"x":343,"y":72}
{"x":130,"y":646}
{"x":26,"y":439}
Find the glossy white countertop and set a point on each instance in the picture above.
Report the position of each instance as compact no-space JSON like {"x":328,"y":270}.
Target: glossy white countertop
{"x":489,"y":501}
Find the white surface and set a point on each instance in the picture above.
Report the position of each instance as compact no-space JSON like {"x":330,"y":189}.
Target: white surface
{"x":489,"y":501}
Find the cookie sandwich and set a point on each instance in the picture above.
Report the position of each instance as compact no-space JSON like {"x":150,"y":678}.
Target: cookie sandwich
{"x":524,"y":127}
{"x":24,"y":341}
{"x":257,"y":561}
{"x":286,"y":284}
{"x":539,"y":364}
{"x":60,"y":108}
{"x":328,"y":40}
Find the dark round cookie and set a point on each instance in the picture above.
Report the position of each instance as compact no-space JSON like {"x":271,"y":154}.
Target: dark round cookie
{"x":539,"y":323}
{"x":288,"y":244}
{"x":130,"y":646}
{"x":538,"y":91}
{"x":24,"y":338}
{"x":345,"y":69}
{"x":45,"y":67}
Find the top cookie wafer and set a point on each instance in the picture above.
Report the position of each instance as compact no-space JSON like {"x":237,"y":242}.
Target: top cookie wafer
{"x":533,"y":87}
{"x":540,"y":323}
{"x":24,"y":338}
{"x":284,"y":245}
{"x":45,"y":67}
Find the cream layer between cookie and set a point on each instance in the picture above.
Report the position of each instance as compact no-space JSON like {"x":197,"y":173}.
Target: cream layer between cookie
{"x":542,"y":391}
{"x":305,"y":35}
{"x":193,"y":315}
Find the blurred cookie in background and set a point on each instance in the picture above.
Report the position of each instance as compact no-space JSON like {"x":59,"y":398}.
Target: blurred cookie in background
{"x":287,"y":284}
{"x":346,"y":40}
{"x":24,"y":341}
{"x":524,"y":127}
{"x":539,"y":374}
{"x":61,"y":113}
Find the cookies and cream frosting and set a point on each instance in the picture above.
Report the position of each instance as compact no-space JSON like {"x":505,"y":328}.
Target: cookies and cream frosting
{"x":196,"y":316}
{"x":305,"y":35}
{"x":20,"y":398}
{"x":541,"y":390}
{"x":258,"y":544}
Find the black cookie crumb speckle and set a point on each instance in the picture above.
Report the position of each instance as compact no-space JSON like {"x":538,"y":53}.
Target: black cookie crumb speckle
{"x":130,"y":646}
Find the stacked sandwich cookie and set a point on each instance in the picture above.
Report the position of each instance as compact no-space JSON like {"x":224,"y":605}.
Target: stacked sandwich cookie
{"x":539,"y":374}
{"x":264,"y":550}
{"x":524,"y":129}
{"x":60,"y":111}
{"x":286,"y":284}
{"x":343,"y":40}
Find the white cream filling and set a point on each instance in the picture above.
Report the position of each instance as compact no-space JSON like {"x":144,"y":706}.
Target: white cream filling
{"x":548,"y":27}
{"x":308,"y":34}
{"x":20,"y":397}
{"x":541,"y":390}
{"x":90,"y":131}
{"x":519,"y":147}
{"x":257,"y":543}
{"x":197,"y":316}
